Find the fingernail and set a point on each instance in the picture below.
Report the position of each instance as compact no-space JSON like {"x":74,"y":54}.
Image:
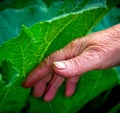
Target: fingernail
{"x":59,"y":65}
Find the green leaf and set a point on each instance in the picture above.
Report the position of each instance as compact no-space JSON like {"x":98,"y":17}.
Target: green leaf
{"x":110,"y":19}
{"x":33,"y":44}
{"x":11,"y":20}
{"x":49,"y":2}
{"x":12,"y":95}
{"x":17,"y":4}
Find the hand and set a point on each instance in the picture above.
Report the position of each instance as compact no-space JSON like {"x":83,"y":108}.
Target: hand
{"x":99,"y":50}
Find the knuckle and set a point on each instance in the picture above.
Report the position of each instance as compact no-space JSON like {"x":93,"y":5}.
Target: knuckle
{"x":74,"y":65}
{"x":52,"y":57}
{"x":74,"y":80}
{"x":76,"y":47}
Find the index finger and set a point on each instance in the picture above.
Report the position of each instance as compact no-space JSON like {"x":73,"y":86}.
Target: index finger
{"x":38,"y":73}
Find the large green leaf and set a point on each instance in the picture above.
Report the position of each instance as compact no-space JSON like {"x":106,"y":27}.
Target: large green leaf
{"x":34,"y":43}
{"x":110,"y":19}
{"x":12,"y":95}
{"x":11,"y":20}
{"x":17,"y":4}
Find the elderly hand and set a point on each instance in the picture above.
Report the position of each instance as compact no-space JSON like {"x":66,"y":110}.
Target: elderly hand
{"x":99,"y":50}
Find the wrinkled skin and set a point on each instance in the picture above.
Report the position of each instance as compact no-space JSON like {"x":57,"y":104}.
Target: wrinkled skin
{"x":99,"y":50}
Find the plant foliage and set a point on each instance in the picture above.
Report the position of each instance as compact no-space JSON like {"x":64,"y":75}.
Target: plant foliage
{"x":48,"y":26}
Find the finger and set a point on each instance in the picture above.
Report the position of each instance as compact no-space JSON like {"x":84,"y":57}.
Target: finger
{"x":39,"y":89}
{"x":88,"y":60}
{"x":71,"y":86}
{"x":53,"y":86}
{"x":38,"y":73}
{"x":40,"y":86}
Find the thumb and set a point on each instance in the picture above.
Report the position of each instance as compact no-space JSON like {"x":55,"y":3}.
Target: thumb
{"x":78,"y":65}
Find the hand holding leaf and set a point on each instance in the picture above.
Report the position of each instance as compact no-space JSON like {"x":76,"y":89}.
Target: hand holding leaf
{"x":99,"y":50}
